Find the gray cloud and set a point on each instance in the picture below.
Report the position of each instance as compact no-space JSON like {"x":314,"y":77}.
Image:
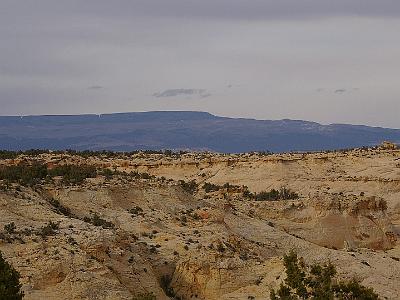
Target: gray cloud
{"x":337,"y":91}
{"x":202,"y":93}
{"x":227,"y":9}
{"x":279,"y":52}
{"x":95,"y":87}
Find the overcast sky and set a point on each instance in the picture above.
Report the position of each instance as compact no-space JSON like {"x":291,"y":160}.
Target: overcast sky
{"x":331,"y":61}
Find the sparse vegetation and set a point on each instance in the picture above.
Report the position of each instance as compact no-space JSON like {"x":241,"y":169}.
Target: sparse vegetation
{"x":317,"y":282}
{"x":210,"y":187}
{"x":275,"y":195}
{"x":136,"y":211}
{"x":23,"y":173}
{"x":4,"y":154}
{"x":60,"y":208}
{"x":107,"y":173}
{"x":96,"y":220}
{"x":73,"y":174}
{"x":189,"y":187}
{"x":10,"y":228}
{"x":31,"y":174}
{"x":145,"y":296}
{"x":48,"y":230}
{"x":170,"y":226}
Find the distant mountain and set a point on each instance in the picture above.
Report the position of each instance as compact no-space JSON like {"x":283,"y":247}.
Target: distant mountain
{"x":182,"y":130}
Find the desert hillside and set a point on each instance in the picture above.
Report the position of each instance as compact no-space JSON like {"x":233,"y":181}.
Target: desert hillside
{"x":197,"y":225}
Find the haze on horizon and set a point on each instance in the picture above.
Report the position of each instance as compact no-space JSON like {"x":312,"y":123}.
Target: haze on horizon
{"x":319,"y":60}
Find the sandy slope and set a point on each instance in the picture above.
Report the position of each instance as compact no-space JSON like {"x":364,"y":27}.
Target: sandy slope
{"x":215,"y":245}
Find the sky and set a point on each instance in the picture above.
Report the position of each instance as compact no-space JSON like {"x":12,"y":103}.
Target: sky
{"x":330,"y":61}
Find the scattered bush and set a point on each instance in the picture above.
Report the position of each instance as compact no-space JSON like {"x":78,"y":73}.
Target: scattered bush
{"x":210,"y":187}
{"x":10,"y":228}
{"x":4,"y":154}
{"x":275,"y":195}
{"x":97,"y":221}
{"x":189,"y":187}
{"x":10,"y":288}
{"x":107,"y":173}
{"x":60,"y":208}
{"x":73,"y":174}
{"x":49,"y":229}
{"x":136,"y":211}
{"x":32,"y":174}
{"x":231,"y":187}
{"x":317,"y":282}
{"x":146,"y":296}
{"x":146,"y":176}
{"x":72,"y":241}
{"x":23,"y":173}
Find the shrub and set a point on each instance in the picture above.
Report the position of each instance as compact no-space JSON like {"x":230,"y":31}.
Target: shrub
{"x":136,"y":211}
{"x":10,"y":288}
{"x":60,"y":208}
{"x":146,"y":296}
{"x":354,"y":290}
{"x":210,"y":187}
{"x":73,"y":174}
{"x":230,"y":187}
{"x":275,"y":195}
{"x":189,"y":187}
{"x":4,"y":154}
{"x":107,"y":173}
{"x":97,"y":221}
{"x":32,"y":174}
{"x":146,"y":176}
{"x":24,"y":173}
{"x":49,"y":229}
{"x":317,"y":282}
{"x":10,"y":228}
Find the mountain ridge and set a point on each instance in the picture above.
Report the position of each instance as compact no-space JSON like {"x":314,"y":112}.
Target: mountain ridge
{"x":180,"y":130}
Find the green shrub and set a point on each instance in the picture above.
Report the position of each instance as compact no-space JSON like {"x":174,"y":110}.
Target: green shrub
{"x":60,"y":208}
{"x":73,"y":174}
{"x":136,"y":211}
{"x":33,"y":174}
{"x":107,"y":173}
{"x":230,"y":187}
{"x":210,"y":187}
{"x":146,"y":176}
{"x":97,"y":221}
{"x":275,"y":195}
{"x":10,"y":288}
{"x":189,"y":187}
{"x":49,"y":229}
{"x":146,"y":296}
{"x":354,"y":290}
{"x":317,"y":282}
{"x":4,"y":154}
{"x":24,"y":173}
{"x":10,"y":228}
